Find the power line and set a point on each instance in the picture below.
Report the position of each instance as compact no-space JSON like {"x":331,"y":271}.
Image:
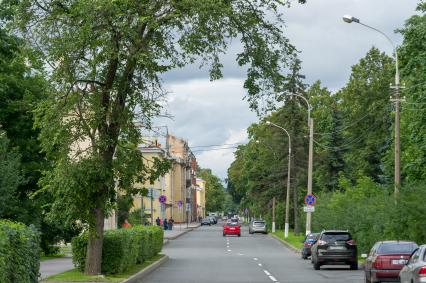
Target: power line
{"x":214,"y":145}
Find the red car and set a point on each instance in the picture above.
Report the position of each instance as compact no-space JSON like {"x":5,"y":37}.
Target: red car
{"x":232,"y":229}
{"x":386,"y":259}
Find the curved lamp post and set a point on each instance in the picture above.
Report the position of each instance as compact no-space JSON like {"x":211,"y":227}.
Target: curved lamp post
{"x":397,"y":100}
{"x":287,"y":200}
{"x":310,"y":158}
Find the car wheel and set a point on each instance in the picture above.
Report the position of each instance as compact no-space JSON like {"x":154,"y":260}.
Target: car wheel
{"x":304,"y":256}
{"x":317,"y":265}
{"x":354,"y":266}
{"x":239,"y":235}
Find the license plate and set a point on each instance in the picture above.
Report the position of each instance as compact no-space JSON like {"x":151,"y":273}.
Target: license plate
{"x":336,"y":248}
{"x":399,"y":261}
{"x":231,"y":228}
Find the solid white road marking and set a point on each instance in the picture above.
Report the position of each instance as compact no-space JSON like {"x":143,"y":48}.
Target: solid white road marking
{"x":272,"y":278}
{"x":267,"y":272}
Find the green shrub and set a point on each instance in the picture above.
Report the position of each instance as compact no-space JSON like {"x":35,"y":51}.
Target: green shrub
{"x":371,"y":213}
{"x":19,"y":253}
{"x":121,"y":248}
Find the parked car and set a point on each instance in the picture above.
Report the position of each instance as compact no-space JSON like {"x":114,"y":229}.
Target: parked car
{"x":206,"y":221}
{"x":415,"y":269}
{"x":386,"y":259}
{"x":257,"y":226}
{"x":334,"y":247}
{"x":212,"y":219}
{"x":307,"y":244}
{"x":231,"y":229}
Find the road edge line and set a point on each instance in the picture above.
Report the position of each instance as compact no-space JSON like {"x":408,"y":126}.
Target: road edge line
{"x":146,"y":271}
{"x":286,"y":244}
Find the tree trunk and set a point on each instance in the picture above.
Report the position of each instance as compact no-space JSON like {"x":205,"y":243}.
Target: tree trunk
{"x":296,"y":210}
{"x":94,"y":245}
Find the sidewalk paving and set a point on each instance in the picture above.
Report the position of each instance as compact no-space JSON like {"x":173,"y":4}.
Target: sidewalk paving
{"x":58,"y":265}
{"x":54,"y":266}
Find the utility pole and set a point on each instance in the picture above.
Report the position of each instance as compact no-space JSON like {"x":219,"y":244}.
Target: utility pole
{"x":273,"y":215}
{"x":287,"y":199}
{"x":311,"y":149}
{"x":152,"y":202}
{"x":397,"y":100}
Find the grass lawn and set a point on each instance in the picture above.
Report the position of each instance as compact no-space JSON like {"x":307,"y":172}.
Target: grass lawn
{"x":295,"y":241}
{"x":77,"y":276}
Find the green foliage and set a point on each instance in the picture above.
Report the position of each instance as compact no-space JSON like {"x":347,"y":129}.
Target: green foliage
{"x":10,"y":179}
{"x":413,"y":118}
{"x":19,"y":253}
{"x":215,"y":192}
{"x":122,"y":248}
{"x":370,"y":213}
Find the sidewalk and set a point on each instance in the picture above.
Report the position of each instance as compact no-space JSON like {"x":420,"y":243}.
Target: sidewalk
{"x":58,"y":265}
{"x":54,"y":266}
{"x":179,"y":230}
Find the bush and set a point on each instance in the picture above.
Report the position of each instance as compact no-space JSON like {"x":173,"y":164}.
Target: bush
{"x":19,"y":253}
{"x":370,"y":213}
{"x":121,"y":248}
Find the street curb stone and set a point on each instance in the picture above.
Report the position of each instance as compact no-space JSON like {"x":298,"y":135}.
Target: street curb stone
{"x":289,"y":246}
{"x":136,"y":278}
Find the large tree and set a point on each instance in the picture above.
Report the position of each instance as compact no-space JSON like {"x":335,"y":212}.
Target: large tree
{"x":413,"y":118}
{"x":105,"y":59}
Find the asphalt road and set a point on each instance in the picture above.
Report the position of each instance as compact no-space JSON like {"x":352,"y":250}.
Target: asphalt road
{"x":204,"y":255}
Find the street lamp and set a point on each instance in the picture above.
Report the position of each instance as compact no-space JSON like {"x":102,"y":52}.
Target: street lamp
{"x":310,"y":158}
{"x":397,"y":100}
{"x":287,"y":200}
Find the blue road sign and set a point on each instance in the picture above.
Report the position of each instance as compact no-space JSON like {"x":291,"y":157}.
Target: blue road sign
{"x":162,"y":199}
{"x":310,"y":199}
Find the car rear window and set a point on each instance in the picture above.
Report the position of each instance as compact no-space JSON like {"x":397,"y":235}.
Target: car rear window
{"x":338,"y":236}
{"x":396,"y":248}
{"x":311,"y":237}
{"x":259,"y":222}
{"x":232,"y":224}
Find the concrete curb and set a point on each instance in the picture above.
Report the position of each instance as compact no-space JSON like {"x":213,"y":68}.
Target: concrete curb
{"x":287,"y":245}
{"x":146,"y":271}
{"x":185,"y":230}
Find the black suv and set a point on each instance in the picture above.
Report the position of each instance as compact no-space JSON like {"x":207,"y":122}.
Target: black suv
{"x":334,"y":247}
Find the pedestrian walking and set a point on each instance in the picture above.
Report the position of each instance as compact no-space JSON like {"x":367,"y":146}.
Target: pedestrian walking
{"x":126,"y":224}
{"x":158,"y":221}
{"x":171,"y":221}
{"x":165,"y":224}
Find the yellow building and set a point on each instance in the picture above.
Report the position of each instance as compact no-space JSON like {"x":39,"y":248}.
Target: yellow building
{"x":151,"y":205}
{"x":201,"y":197}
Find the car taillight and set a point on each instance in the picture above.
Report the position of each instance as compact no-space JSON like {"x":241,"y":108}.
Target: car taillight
{"x":321,"y":242}
{"x":351,"y":242}
{"x":422,"y":271}
{"x":307,"y":244}
{"x":377,"y":263}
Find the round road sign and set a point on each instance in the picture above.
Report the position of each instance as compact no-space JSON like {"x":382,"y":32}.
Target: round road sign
{"x":179,"y":203}
{"x":162,"y":199}
{"x":310,"y":199}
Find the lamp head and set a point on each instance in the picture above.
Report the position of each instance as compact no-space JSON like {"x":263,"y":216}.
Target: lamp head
{"x":349,"y":19}
{"x":268,"y":123}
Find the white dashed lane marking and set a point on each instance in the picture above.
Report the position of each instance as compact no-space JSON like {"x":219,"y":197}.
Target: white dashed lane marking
{"x":272,"y":278}
{"x":255,"y":258}
{"x":267,"y":272}
{"x":260,"y":264}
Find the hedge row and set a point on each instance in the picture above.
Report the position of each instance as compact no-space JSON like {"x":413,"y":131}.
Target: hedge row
{"x":371,"y":213}
{"x":121,"y":248}
{"x":19,"y":253}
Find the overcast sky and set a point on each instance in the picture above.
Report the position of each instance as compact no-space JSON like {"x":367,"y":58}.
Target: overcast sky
{"x":214,"y":113}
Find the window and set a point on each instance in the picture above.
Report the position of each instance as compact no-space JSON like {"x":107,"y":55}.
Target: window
{"x":396,"y":248}
{"x":334,"y":237}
